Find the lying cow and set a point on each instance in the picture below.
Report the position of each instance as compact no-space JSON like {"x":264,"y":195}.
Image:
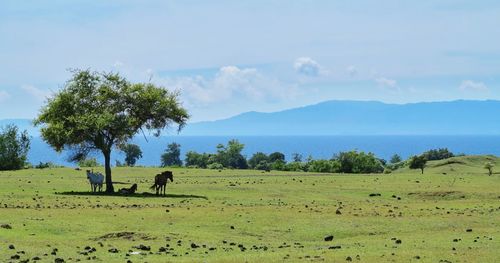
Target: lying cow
{"x":127,"y":191}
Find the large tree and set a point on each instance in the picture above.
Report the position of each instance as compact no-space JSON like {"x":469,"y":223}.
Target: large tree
{"x":96,"y":110}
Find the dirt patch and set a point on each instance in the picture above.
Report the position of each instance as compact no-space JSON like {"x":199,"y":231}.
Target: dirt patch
{"x":125,"y":235}
{"x":439,"y":194}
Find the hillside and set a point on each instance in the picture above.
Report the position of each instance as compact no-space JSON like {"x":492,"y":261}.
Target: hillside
{"x":363,"y":118}
{"x":470,"y":164}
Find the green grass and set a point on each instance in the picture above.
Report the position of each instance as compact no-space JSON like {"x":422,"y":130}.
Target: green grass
{"x":52,"y":208}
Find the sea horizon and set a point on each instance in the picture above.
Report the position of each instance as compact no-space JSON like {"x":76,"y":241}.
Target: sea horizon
{"x":316,"y":146}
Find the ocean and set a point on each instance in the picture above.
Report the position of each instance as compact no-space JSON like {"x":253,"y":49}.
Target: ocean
{"x":316,"y":146}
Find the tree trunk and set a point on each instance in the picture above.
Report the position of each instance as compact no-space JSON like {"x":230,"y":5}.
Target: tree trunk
{"x":107,"y":166}
{"x":422,"y":170}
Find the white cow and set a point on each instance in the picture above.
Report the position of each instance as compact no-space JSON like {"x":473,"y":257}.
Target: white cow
{"x":95,"y":180}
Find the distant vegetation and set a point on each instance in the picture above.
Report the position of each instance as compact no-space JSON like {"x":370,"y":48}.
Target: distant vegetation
{"x":14,"y":147}
{"x":230,"y":157}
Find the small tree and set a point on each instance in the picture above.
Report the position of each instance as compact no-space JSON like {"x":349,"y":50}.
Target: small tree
{"x":95,"y":111}
{"x":258,"y":159}
{"x":198,"y":160}
{"x":230,"y":156}
{"x":14,"y":147}
{"x":172,"y":155}
{"x":132,"y":153}
{"x":489,"y":166}
{"x":395,"y":159}
{"x":418,"y":162}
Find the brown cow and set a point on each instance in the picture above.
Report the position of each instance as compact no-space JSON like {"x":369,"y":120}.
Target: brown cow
{"x":161,"y":182}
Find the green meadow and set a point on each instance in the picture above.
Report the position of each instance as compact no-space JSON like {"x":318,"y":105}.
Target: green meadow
{"x":451,"y":213}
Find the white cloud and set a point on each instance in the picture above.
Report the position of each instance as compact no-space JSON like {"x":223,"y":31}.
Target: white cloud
{"x":352,"y":71}
{"x":230,"y":83}
{"x":4,"y":95}
{"x":472,"y":85}
{"x":118,"y":64}
{"x":39,"y":94}
{"x":385,"y":82}
{"x":307,"y":66}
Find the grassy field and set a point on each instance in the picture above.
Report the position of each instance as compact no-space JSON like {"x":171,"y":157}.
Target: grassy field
{"x":449,"y":214}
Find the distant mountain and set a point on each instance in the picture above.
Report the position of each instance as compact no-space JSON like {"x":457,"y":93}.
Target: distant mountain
{"x":461,"y":117}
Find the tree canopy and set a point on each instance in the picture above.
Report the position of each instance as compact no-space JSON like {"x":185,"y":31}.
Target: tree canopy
{"x":96,"y":110}
{"x":418,"y":162}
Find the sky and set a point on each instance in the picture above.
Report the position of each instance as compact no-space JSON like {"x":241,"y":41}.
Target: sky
{"x":229,"y":57}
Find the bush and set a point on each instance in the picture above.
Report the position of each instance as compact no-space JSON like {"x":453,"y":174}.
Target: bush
{"x":359,"y":162}
{"x":324,"y":166}
{"x":437,"y":154}
{"x":14,"y":147}
{"x":215,"y":166}
{"x":199,"y":160}
{"x":263,"y":165}
{"x":295,"y":167}
{"x":257,"y":159}
{"x":46,"y":165}
{"x":89,"y":162}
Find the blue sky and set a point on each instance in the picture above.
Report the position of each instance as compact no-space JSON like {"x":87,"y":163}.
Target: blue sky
{"x":228,"y":57}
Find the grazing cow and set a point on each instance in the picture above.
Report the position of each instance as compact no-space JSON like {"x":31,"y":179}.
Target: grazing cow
{"x":128,"y":191}
{"x":95,"y":180}
{"x":161,"y":182}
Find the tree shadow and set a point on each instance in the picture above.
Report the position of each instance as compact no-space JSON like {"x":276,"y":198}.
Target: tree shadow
{"x":139,"y":195}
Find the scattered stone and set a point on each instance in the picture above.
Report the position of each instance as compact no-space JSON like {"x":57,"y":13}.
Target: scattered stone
{"x":468,"y":230}
{"x":58,"y":260}
{"x":329,"y":238}
{"x":232,"y":227}
{"x":398,"y":241}
{"x":12,"y":247}
{"x":143,"y":247}
{"x":338,"y":212}
{"x":5,"y":226}
{"x":113,"y":250}
{"x":15,"y":257}
{"x":374,"y":194}
{"x":36,"y":258}
{"x":193,"y":245}
{"x":348,"y":258}
{"x":335,"y":247}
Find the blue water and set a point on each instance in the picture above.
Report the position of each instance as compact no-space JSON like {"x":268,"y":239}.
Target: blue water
{"x":316,"y":146}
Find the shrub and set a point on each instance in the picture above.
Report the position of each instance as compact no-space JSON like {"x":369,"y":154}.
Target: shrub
{"x":359,"y":162}
{"x":89,"y":162}
{"x":14,"y":147}
{"x":437,"y":154}
{"x":324,"y":166}
{"x":215,"y":166}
